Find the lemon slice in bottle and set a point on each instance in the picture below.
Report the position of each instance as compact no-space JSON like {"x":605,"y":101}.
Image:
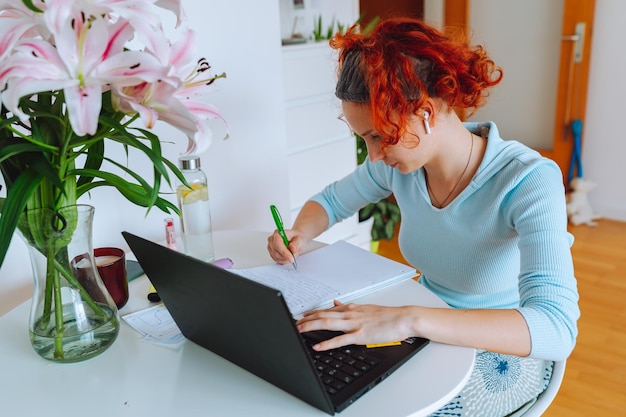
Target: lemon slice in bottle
{"x":198,"y":192}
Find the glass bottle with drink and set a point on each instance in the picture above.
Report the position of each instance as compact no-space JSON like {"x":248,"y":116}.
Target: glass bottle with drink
{"x":193,"y":202}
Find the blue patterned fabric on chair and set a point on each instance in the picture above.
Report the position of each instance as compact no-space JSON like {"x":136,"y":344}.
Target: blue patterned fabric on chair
{"x":545,"y":398}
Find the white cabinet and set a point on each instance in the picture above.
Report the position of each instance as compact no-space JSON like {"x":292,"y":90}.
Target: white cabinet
{"x":320,"y":147}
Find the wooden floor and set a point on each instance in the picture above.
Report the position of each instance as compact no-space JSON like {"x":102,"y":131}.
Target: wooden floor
{"x":595,"y":377}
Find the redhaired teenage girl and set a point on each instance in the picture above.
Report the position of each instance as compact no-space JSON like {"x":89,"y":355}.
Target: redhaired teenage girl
{"x":483,"y":218}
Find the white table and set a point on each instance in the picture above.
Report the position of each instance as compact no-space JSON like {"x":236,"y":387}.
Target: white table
{"x":135,"y":378}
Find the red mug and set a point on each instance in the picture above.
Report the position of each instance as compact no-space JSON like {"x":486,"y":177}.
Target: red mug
{"x":111,"y":264}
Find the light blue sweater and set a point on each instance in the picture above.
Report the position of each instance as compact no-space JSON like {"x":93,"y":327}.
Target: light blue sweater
{"x":502,"y":243}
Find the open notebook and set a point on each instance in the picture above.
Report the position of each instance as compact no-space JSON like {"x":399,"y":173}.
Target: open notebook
{"x":340,"y":271}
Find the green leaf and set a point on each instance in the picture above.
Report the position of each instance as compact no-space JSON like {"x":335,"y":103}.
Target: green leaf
{"x":32,"y":138}
{"x":14,"y":204}
{"x":38,"y":162}
{"x":31,"y":6}
{"x":156,"y":147}
{"x":140,"y":195}
{"x":176,"y":172}
{"x":389,"y":229}
{"x":49,"y":230}
{"x":382,"y":207}
{"x":126,"y":138}
{"x":377,"y":222}
{"x":330,"y":30}
{"x":376,"y":234}
{"x":95,"y":155}
{"x":361,"y":149}
{"x":6,"y":122}
{"x":16,"y":148}
{"x":371,"y":25}
{"x":366,"y":212}
{"x":90,"y":174}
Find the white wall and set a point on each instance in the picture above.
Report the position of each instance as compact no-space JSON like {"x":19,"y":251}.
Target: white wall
{"x":604,"y":137}
{"x":529,"y":73}
{"x":246,"y":173}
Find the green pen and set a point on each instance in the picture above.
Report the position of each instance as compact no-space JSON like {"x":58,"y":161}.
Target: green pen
{"x":281,"y":231}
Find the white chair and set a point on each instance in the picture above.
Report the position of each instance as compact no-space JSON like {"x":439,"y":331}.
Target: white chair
{"x":545,"y":398}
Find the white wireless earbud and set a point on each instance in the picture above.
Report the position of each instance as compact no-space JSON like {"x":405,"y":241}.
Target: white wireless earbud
{"x":426,"y":124}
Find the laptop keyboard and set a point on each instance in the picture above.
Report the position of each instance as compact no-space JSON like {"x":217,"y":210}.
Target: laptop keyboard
{"x":339,"y":367}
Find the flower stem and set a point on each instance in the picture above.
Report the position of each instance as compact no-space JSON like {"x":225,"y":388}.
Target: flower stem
{"x":58,"y":304}
{"x":81,"y":289}
{"x":47,"y":306}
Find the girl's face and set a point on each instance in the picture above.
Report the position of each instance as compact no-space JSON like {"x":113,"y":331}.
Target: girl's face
{"x":405,"y":156}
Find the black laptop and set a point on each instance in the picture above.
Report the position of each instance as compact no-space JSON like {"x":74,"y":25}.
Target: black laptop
{"x":250,"y":325}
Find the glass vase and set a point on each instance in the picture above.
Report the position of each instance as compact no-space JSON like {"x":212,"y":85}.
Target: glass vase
{"x":72,"y":317}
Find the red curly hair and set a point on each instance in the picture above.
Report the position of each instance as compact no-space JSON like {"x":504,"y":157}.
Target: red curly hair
{"x":403,"y":62}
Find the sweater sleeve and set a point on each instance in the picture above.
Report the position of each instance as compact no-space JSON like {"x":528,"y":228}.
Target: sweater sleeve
{"x":547,"y":286}
{"x":345,"y":197}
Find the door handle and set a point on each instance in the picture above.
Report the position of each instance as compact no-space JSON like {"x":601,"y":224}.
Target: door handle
{"x":576,"y":58}
{"x":579,"y":38}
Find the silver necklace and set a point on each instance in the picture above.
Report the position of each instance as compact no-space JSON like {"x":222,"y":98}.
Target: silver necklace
{"x":445,"y":201}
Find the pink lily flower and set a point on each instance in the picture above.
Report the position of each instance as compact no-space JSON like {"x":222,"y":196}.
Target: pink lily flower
{"x":174,"y":6}
{"x":79,"y":46}
{"x":88,"y":56}
{"x":16,"y":22}
{"x":170,"y":100}
{"x":12,"y":6}
{"x":138,"y":13}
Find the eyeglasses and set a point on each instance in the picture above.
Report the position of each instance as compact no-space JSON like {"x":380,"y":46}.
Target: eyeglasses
{"x":342,"y":117}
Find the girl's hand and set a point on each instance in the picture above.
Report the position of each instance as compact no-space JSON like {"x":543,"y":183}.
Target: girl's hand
{"x":361,"y":324}
{"x":279,"y":252}
{"x":310,"y":223}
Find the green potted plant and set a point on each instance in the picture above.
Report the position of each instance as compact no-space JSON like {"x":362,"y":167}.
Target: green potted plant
{"x":320,"y":35}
